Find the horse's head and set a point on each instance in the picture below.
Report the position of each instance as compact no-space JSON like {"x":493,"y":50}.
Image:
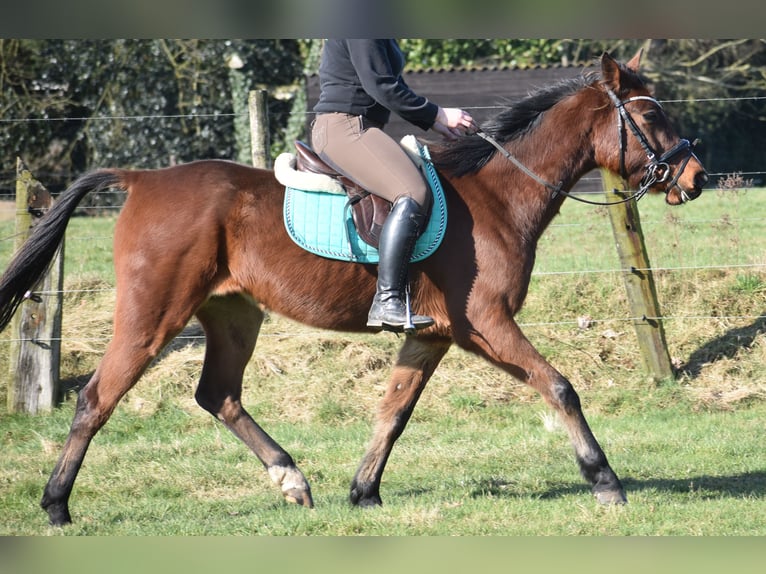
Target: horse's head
{"x":651,"y":154}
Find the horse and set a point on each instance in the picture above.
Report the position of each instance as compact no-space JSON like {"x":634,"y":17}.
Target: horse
{"x":206,"y":239}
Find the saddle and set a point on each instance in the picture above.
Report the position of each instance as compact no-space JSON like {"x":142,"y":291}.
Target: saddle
{"x":368,"y":211}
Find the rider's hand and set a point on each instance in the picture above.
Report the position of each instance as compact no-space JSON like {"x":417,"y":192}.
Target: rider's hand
{"x":453,"y":123}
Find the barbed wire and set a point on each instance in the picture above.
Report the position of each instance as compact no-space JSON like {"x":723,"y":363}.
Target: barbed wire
{"x":113,"y":118}
{"x":535,"y":324}
{"x":311,"y":333}
{"x":616,"y":270}
{"x":308,"y":113}
{"x":10,"y":192}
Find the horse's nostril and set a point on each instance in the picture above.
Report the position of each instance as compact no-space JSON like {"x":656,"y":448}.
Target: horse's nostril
{"x":701,"y":179}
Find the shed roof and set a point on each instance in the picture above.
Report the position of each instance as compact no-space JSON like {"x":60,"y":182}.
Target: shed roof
{"x":483,"y":91}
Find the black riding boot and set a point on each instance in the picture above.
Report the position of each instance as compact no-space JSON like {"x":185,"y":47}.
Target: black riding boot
{"x":397,"y":240}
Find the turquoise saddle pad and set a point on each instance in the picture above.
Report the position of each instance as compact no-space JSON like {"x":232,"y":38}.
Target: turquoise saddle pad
{"x":321,"y":223}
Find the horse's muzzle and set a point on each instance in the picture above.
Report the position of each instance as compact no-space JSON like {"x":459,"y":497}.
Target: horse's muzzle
{"x":700,"y":180}
{"x":690,"y":176}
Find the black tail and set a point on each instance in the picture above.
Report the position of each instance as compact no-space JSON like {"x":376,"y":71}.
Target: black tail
{"x":31,"y":262}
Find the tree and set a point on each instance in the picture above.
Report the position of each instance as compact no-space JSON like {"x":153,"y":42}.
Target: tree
{"x":72,"y":105}
{"x":717,"y":89}
{"x":714,"y":89}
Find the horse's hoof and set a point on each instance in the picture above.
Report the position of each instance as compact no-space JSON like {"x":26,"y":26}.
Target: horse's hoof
{"x":371,"y":502}
{"x":293,"y":484}
{"x":609,"y":497}
{"x":58,"y":514}
{"x":300,"y":497}
{"x":363,"y":498}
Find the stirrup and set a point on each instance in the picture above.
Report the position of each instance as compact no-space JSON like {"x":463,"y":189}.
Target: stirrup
{"x":409,"y":326}
{"x":405,"y":321}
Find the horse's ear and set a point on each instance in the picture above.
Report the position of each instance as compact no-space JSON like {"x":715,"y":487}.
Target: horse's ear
{"x":635,"y":61}
{"x":610,"y":72}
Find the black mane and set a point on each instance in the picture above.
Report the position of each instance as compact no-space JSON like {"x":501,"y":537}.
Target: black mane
{"x":469,"y":154}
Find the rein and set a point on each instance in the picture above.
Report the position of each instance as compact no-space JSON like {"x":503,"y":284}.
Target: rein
{"x":657,"y":171}
{"x":556,"y":189}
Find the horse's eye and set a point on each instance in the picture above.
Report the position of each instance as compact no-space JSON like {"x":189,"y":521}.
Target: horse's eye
{"x":650,"y":116}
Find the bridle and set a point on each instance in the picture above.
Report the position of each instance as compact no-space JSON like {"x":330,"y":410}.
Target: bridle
{"x":657,"y":170}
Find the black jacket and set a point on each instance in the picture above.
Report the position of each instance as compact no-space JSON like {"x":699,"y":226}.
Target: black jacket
{"x":363,"y":77}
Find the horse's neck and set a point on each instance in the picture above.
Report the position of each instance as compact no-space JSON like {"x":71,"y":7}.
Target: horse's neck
{"x":559,"y":149}
{"x":558,"y":158}
{"x":558,"y":152}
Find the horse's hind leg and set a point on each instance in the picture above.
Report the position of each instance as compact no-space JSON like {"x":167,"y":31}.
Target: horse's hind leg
{"x":123,"y":363}
{"x":417,"y":361}
{"x":231,"y":326}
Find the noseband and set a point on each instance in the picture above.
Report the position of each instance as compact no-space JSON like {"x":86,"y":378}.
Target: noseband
{"x":657,"y":170}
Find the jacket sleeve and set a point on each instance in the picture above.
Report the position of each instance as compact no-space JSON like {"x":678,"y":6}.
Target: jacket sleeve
{"x":374,"y":69}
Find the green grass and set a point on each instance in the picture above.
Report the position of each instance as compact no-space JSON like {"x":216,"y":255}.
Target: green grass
{"x":720,"y":228}
{"x":482,"y":455}
{"x":88,"y":248}
{"x":491,"y":471}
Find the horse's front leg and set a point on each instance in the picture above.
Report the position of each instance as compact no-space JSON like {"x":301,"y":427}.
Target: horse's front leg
{"x":516,"y":355}
{"x":418,"y":358}
{"x":594,"y":467}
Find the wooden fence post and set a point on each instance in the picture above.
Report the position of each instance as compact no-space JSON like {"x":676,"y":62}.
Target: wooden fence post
{"x":238,"y":83}
{"x":36,"y":327}
{"x":257,"y":104}
{"x":639,"y":280}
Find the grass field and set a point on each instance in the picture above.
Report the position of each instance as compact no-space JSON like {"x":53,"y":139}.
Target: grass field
{"x":482,"y":455}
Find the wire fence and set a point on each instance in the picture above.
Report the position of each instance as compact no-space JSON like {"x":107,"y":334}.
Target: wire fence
{"x":6,"y":192}
{"x":8,"y":211}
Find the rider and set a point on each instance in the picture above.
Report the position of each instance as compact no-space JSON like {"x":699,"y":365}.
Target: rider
{"x":360,"y":85}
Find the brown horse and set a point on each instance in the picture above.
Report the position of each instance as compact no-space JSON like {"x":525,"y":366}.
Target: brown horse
{"x":207,"y":239}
